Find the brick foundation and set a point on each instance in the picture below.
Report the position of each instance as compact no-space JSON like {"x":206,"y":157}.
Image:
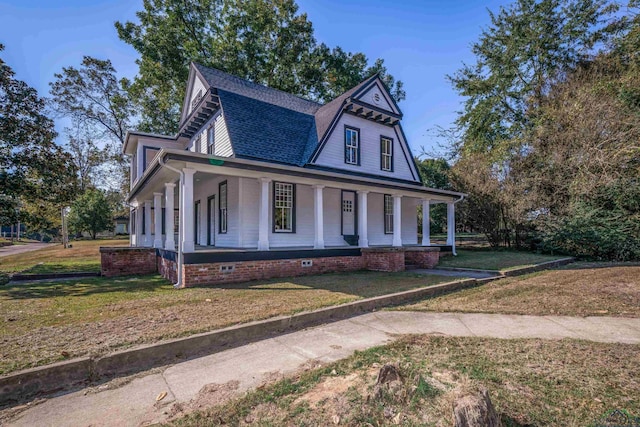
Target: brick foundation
{"x":383,"y":259}
{"x":423,"y":257}
{"x":121,"y":261}
{"x":167,"y":269}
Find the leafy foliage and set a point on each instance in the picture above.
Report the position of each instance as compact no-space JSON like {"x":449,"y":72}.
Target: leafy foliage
{"x":265,"y":41}
{"x":32,"y":167}
{"x":92,"y":213}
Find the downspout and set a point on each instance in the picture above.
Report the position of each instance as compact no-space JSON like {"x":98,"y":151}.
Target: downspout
{"x":453,"y":246}
{"x":180,"y":222}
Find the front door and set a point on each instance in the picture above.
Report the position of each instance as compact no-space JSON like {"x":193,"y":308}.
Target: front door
{"x":211,"y":220}
{"x":348,"y":213}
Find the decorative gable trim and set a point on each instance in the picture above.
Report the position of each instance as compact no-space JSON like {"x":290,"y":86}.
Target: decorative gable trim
{"x":385,"y":93}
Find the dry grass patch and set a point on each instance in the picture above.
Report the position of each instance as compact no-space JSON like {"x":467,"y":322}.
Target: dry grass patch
{"x":531,"y":382}
{"x":60,"y":319}
{"x":83,"y":256}
{"x":582,"y":289}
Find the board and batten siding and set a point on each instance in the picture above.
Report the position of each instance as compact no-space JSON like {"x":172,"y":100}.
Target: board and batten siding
{"x":332,"y":154}
{"x":222,"y":141}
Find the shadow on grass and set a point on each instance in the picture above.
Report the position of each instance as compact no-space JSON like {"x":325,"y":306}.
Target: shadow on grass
{"x":47,"y":268}
{"x":364,"y":284}
{"x":82,"y":287}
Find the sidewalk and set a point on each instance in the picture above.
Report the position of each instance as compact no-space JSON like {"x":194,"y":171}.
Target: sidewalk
{"x":249,"y":366}
{"x":19,"y":249}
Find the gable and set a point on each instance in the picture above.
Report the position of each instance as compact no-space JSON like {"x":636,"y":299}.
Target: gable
{"x":378,"y":97}
{"x":196,"y":87}
{"x":332,"y":153}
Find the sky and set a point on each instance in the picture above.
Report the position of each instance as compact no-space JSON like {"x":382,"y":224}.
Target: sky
{"x":421,"y":42}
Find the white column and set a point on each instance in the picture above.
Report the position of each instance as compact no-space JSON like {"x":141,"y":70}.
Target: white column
{"x":318,"y":217}
{"x":157,"y":213}
{"x":363,"y":238}
{"x":148,"y":240}
{"x":186,"y":212}
{"x":263,"y":215}
{"x":451,"y":226}
{"x":397,"y":220}
{"x":426,"y":223}
{"x":169,"y":241}
{"x":138,"y":242}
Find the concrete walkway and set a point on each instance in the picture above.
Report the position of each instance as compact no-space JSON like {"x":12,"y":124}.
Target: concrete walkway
{"x":19,"y":249}
{"x":453,"y":273}
{"x":249,"y":366}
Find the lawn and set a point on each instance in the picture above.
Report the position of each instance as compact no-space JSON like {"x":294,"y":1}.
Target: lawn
{"x":61,"y":319}
{"x":530,"y":382}
{"x":580,"y":289}
{"x":494,"y":260}
{"x":83,"y":256}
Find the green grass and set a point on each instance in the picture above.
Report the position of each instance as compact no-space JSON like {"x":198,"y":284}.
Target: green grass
{"x":83,"y":256}
{"x":97,"y":315}
{"x":494,"y":260}
{"x":530,"y":382}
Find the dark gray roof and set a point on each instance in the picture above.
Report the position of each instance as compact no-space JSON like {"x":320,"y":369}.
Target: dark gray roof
{"x":261,"y":130}
{"x":221,"y":80}
{"x":271,"y":125}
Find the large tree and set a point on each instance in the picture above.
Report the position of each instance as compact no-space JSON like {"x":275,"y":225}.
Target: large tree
{"x":265,"y":41}
{"x":91,"y":213}
{"x":32,"y":167}
{"x":528,"y":45}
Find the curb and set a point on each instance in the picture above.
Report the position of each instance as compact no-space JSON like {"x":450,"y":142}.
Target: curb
{"x":538,"y":267}
{"x":469,"y":270}
{"x":28,"y":383}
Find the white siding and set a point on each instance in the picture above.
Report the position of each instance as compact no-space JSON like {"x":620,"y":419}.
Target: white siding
{"x":375,"y":221}
{"x":208,"y":186}
{"x":333,"y":217}
{"x":384,"y":102}
{"x":409,"y":221}
{"x":305,"y":231}
{"x":332,"y":154}
{"x":222,"y":141}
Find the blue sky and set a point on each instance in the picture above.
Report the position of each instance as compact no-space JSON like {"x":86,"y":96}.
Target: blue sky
{"x":420,"y":41}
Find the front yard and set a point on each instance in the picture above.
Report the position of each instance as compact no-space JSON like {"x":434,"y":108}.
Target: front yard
{"x":530,"y":382}
{"x":580,"y":289}
{"x":83,"y":256}
{"x":48,"y":321}
{"x":494,"y":259}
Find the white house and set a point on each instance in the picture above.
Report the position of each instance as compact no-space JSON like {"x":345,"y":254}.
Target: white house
{"x":256,"y":174}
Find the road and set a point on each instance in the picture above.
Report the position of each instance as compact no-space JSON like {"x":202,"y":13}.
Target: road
{"x":19,"y":249}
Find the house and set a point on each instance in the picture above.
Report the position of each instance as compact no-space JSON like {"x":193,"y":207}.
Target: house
{"x":120,"y":225}
{"x":260,"y":183}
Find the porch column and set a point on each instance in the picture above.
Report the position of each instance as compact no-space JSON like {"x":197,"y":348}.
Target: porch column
{"x":397,"y":220}
{"x":263,"y":215}
{"x":157,"y":213}
{"x":148,"y":240}
{"x":169,"y":241}
{"x":138,"y":220}
{"x":186,"y":211}
{"x":426,"y":223}
{"x":451,"y":226}
{"x":363,"y":238}
{"x":318,"y":217}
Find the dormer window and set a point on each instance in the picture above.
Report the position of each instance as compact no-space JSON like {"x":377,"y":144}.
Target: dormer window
{"x":351,"y":146}
{"x":386,"y":154}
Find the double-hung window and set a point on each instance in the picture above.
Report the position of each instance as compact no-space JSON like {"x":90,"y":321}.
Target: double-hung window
{"x":283,"y":207}
{"x":386,"y":154}
{"x":351,"y":146}
{"x":222,"y":207}
{"x":211,"y":140}
{"x":388,"y":214}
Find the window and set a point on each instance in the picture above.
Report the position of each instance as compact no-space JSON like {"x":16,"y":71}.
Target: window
{"x":351,"y":146}
{"x":283,"y":207}
{"x":211,"y":140}
{"x":386,"y":154}
{"x":222,"y":209}
{"x":388,"y":214}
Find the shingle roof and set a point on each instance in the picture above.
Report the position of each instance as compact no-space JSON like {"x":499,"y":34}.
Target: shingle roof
{"x":269,"y":124}
{"x":261,"y":130}
{"x":221,"y":80}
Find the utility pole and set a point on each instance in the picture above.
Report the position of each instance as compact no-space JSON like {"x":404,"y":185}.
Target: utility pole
{"x":65,"y":236}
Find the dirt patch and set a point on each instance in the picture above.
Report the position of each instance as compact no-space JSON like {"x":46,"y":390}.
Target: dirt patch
{"x":328,"y":389}
{"x":575,"y":290}
{"x":208,"y":396}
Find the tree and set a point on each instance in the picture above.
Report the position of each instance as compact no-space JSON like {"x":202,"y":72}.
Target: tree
{"x":92,"y":213}
{"x":32,"y":166}
{"x":265,"y":41}
{"x":434,"y":174}
{"x":529,"y":45}
{"x":87,"y":158}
